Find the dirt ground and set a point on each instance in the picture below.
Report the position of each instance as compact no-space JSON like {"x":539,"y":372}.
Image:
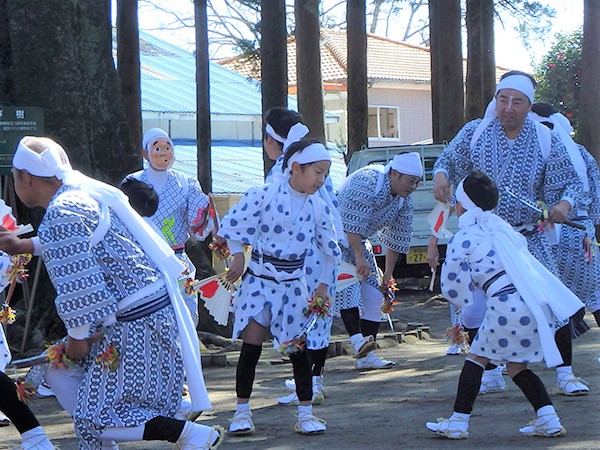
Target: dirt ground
{"x":384,"y":409}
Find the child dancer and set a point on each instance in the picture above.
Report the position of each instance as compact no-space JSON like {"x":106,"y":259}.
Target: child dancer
{"x":279,"y":221}
{"x":284,"y":127}
{"x":523,"y":300}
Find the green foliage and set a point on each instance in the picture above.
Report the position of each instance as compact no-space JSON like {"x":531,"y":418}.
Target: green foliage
{"x":559,"y":76}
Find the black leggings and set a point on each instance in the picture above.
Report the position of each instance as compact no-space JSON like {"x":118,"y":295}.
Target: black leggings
{"x":17,"y":411}
{"x":317,"y":359}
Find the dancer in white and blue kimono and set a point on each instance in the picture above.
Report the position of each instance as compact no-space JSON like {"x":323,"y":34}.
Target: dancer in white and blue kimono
{"x":523,"y":301}
{"x":116,"y":288}
{"x":284,"y":127}
{"x":375,"y":199}
{"x":182,"y":205}
{"x":576,"y":256}
{"x":280,"y":221}
{"x":530,"y":161}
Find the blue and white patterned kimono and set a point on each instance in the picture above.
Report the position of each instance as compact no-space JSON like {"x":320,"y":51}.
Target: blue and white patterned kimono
{"x":280,"y":239}
{"x":509,"y":331}
{"x":581,"y":277}
{"x":319,"y":334}
{"x":520,"y":167}
{"x":89,"y":281}
{"x":366,"y":211}
{"x":181,"y":212}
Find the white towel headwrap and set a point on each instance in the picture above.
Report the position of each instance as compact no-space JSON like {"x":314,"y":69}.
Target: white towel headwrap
{"x":296,"y":132}
{"x":545,"y":295}
{"x":517,"y":82}
{"x":53,"y":161}
{"x":406,"y":163}
{"x":309,"y":154}
{"x":152,"y":135}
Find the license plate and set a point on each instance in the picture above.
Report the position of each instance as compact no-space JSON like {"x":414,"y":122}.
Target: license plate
{"x":417,"y":255}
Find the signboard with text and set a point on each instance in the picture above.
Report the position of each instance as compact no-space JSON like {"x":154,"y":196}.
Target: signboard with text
{"x":16,"y":122}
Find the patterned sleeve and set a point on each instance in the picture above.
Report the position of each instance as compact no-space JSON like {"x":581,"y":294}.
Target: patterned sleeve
{"x":199,"y":220}
{"x":397,"y":236}
{"x":560,"y":178}
{"x":456,"y":283}
{"x":357,"y":201}
{"x":326,"y":237}
{"x":455,"y":159}
{"x":241,"y":222}
{"x":594,"y":179}
{"x":82,"y":296}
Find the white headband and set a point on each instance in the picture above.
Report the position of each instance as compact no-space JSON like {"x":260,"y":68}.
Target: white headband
{"x":463,"y":198}
{"x":406,"y":163}
{"x":152,"y":135}
{"x":310,"y":154}
{"x":52,"y":162}
{"x":295,"y":133}
{"x":519,"y":83}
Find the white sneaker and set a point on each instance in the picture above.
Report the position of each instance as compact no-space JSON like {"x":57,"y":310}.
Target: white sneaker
{"x":290,"y":399}
{"x":362,"y":345}
{"x":307,"y":423}
{"x":36,"y":439}
{"x":452,"y":428}
{"x":4,"y":421}
{"x":241,"y":423}
{"x":545,"y":426}
{"x":200,"y":437}
{"x":492,"y":381}
{"x":318,"y":385}
{"x":290,"y":384}
{"x":454,"y":349}
{"x":372,"y":361}
{"x":44,"y":390}
{"x":568,"y":384}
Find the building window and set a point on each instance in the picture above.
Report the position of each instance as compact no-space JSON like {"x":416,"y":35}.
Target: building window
{"x":383,"y":122}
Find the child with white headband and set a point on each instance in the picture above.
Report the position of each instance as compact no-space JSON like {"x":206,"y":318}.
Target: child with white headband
{"x":523,"y":301}
{"x":280,"y":221}
{"x":280,"y":122}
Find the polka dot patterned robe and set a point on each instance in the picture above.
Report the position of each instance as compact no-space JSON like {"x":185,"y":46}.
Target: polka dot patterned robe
{"x":263,"y":219}
{"x":508,"y":332}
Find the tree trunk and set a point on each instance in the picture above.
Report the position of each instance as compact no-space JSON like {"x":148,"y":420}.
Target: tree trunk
{"x":481,"y":65}
{"x":589,"y":131}
{"x":58,"y":55}
{"x":202,"y":97}
{"x":273,"y":60}
{"x":358,"y":103}
{"x":308,"y":67}
{"x":128,"y":67}
{"x":447,"y":96}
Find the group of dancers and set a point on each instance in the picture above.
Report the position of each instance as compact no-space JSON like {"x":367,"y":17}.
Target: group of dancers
{"x":116,"y":274}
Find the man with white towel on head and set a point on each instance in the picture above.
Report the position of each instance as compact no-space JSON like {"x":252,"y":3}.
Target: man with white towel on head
{"x":374,"y":199}
{"x":529,"y":163}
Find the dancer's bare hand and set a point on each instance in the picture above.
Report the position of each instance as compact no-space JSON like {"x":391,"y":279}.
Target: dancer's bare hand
{"x":236,"y":268}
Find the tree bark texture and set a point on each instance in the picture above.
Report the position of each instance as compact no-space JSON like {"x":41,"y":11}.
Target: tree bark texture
{"x":447,"y":96}
{"x":61,"y":60}
{"x":481,"y":65}
{"x":273,"y":60}
{"x":308,"y":67}
{"x":128,"y":67}
{"x":204,"y":167}
{"x":589,"y":131}
{"x":358,"y":103}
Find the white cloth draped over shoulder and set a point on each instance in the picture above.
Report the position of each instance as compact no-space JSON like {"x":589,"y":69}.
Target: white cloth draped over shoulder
{"x":544,"y":294}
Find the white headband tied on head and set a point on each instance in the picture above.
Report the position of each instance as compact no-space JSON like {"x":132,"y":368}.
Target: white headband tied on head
{"x":295,"y":133}
{"x":152,"y":135}
{"x":463,"y":198}
{"x":52,"y":162}
{"x":406,"y":163}
{"x":519,"y":83}
{"x":309,"y":154}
